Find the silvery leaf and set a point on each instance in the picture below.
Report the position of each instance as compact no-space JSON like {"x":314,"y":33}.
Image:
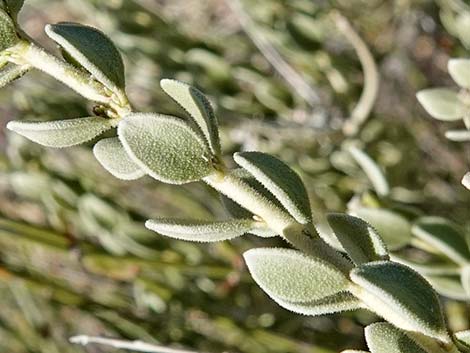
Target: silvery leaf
{"x":358,"y":238}
{"x":463,"y":337}
{"x":198,"y":107}
{"x":289,"y":275}
{"x":465,"y":279}
{"x":112,"y":156}
{"x":385,"y":338}
{"x":165,"y":147}
{"x":280,"y":180}
{"x":62,"y":133}
{"x":200,"y":231}
{"x":393,"y":228}
{"x":449,"y":286}
{"x":459,"y":70}
{"x":402,"y":297}
{"x":441,"y":103}
{"x":12,"y":73}
{"x":8,"y":36}
{"x":458,"y":135}
{"x":442,"y":235}
{"x":371,"y":169}
{"x":92,"y":49}
{"x":466,"y":180}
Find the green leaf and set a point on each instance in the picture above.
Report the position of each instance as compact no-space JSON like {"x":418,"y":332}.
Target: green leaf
{"x":402,"y":297}
{"x":12,"y":73}
{"x":358,"y":238}
{"x":385,"y":338}
{"x":280,"y":180}
{"x":465,"y":279}
{"x":339,"y":302}
{"x":92,"y":49}
{"x":8,"y":36}
{"x":165,"y":147}
{"x":372,"y":170}
{"x":393,"y":228}
{"x":449,"y":286}
{"x":62,"y":133}
{"x":112,"y":156}
{"x":442,"y":235}
{"x":458,"y":135}
{"x":463,"y":337}
{"x":353,"y":351}
{"x":289,"y":275}
{"x":198,"y":107}
{"x":466,"y":180}
{"x":13,"y":7}
{"x":433,"y":266}
{"x":459,"y":70}
{"x":441,"y":103}
{"x":201,"y":231}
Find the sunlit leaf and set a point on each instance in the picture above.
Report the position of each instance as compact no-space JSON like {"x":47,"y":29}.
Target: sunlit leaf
{"x":200,"y":231}
{"x":466,"y":180}
{"x":112,"y":156}
{"x":12,"y":73}
{"x":372,"y":170}
{"x":393,"y":228}
{"x":358,"y":238}
{"x":463,"y":337}
{"x":458,"y":135}
{"x":165,"y":147}
{"x":62,"y":133}
{"x":402,"y":297}
{"x":449,"y":286}
{"x":441,"y":103}
{"x":465,"y":279}
{"x":459,"y":70}
{"x":289,"y":275}
{"x":280,"y":180}
{"x":92,"y":49}
{"x":442,"y":235}
{"x":385,"y":338}
{"x":198,"y":107}
{"x":8,"y":36}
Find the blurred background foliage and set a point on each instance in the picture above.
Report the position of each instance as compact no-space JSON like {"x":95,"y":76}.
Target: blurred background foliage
{"x":74,"y":255}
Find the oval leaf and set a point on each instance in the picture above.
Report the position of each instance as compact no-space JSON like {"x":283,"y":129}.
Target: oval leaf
{"x":466,"y":180}
{"x":112,"y":156}
{"x":92,"y":49}
{"x":443,"y":236}
{"x":459,"y":70}
{"x":333,"y":304}
{"x":402,"y":297}
{"x":441,"y":103}
{"x":393,"y":228}
{"x":12,"y":73}
{"x":385,"y":338}
{"x":289,"y":275}
{"x":198,"y":107}
{"x":458,"y":135}
{"x":165,"y":147}
{"x":280,"y":180}
{"x":358,"y":238}
{"x":372,"y":170}
{"x":200,"y":231}
{"x":8,"y":36}
{"x":62,"y":133}
{"x":449,"y":286}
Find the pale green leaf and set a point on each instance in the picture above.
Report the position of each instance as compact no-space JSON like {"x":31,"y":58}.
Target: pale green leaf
{"x":353,"y":351}
{"x":459,"y":70}
{"x":289,"y":275}
{"x":12,"y":73}
{"x":165,"y":147}
{"x":371,"y":169}
{"x":434,"y":266}
{"x":442,"y":235}
{"x":62,"y":133}
{"x":198,"y":107}
{"x":112,"y":156}
{"x":92,"y":49}
{"x":339,"y":302}
{"x":465,"y":279}
{"x":401,"y":296}
{"x":358,"y":238}
{"x":393,"y":228}
{"x":201,"y":231}
{"x":280,"y":180}
{"x":463,"y":337}
{"x":449,"y":286}
{"x":385,"y":338}
{"x":8,"y":36}
{"x":441,"y":103}
{"x":458,"y":135}
{"x":466,"y":180}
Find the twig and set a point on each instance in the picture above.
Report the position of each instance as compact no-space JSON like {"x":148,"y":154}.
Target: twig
{"x":137,"y":346}
{"x":366,"y":102}
{"x":292,"y":77}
